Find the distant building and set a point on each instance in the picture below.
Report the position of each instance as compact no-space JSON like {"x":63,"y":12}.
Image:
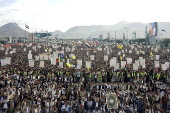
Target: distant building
{"x":42,"y":34}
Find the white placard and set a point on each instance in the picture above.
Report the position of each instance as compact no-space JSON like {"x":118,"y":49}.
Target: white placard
{"x":41,"y":64}
{"x":31,"y":63}
{"x":142,"y":62}
{"x":117,"y":66}
{"x":3,"y":62}
{"x":36,"y":58}
{"x":140,"y":58}
{"x":79,"y":62}
{"x":60,"y":65}
{"x":92,"y":57}
{"x":8,"y":60}
{"x":129,"y":60}
{"x":41,"y":57}
{"x":29,"y":56}
{"x":88,"y":64}
{"x":105,"y":57}
{"x":135,"y":66}
{"x":157,"y":57}
{"x":164,"y":67}
{"x":45,"y":57}
{"x":53,"y":61}
{"x":78,"y":67}
{"x":167,"y":64}
{"x":123,"y":63}
{"x":156,"y":63}
{"x":112,"y":62}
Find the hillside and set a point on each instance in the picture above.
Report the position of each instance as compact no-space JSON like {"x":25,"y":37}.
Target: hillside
{"x":95,"y":31}
{"x":12,"y":29}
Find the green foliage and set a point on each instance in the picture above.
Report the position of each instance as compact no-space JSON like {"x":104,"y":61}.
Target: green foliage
{"x":119,"y":41}
{"x":138,"y":41}
{"x":165,"y":42}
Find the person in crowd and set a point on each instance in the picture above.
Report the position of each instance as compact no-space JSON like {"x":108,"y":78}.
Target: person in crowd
{"x":57,"y":88}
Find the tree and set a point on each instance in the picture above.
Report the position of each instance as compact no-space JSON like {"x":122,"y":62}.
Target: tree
{"x":165,"y":42}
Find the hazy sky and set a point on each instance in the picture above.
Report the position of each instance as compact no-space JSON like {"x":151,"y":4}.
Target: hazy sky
{"x":63,"y":14}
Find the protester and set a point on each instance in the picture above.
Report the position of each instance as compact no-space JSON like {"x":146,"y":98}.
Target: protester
{"x":67,"y":77}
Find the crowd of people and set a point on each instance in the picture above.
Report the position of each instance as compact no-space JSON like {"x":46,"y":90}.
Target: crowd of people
{"x":54,"y":89}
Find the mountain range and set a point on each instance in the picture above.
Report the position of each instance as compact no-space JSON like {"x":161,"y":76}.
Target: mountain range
{"x":119,"y":28}
{"x":12,"y":29}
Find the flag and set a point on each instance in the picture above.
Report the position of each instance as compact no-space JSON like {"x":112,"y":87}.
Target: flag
{"x":26,"y":26}
{"x":151,"y":54}
{"x":87,"y":44}
{"x":73,"y":57}
{"x":120,"y":57}
{"x":59,"y":58}
{"x":163,"y":30}
{"x":119,"y":46}
{"x":68,"y":64}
